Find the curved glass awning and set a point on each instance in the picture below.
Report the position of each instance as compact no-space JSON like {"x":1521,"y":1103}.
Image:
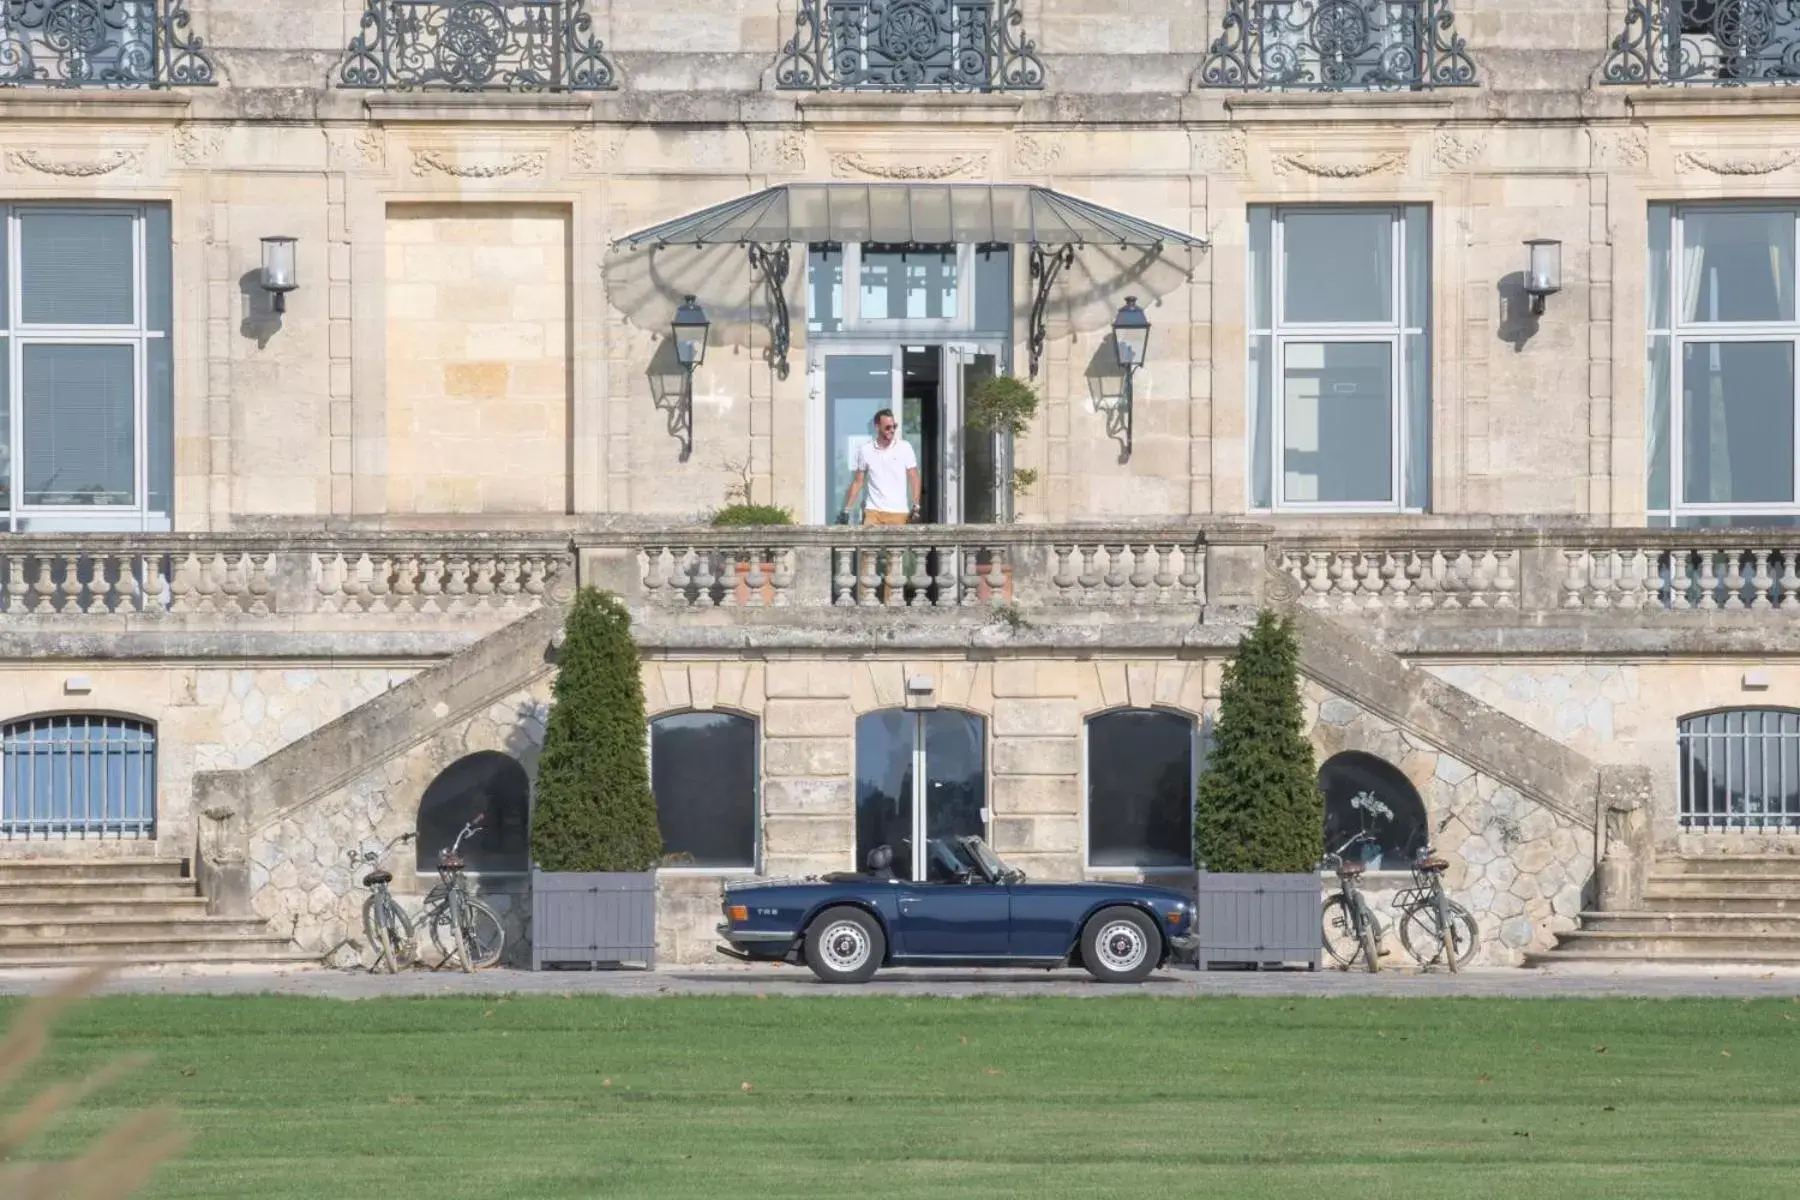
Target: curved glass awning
{"x":739,"y":258}
{"x":910,"y":213}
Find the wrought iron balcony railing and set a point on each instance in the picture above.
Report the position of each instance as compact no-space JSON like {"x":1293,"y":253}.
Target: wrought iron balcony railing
{"x":1338,"y":45}
{"x":1706,"y":42}
{"x":910,"y":46}
{"x":100,"y":44}
{"x":477,"y":46}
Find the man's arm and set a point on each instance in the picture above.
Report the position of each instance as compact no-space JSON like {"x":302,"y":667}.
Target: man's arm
{"x":856,"y":486}
{"x":912,"y":487}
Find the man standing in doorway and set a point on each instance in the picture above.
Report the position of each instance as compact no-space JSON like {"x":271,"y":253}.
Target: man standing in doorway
{"x":889,"y":470}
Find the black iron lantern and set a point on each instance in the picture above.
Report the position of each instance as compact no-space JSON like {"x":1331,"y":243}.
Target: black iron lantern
{"x":1131,"y":336}
{"x":690,"y":327}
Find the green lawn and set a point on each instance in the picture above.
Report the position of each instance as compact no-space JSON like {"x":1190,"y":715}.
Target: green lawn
{"x":1132,"y":1097}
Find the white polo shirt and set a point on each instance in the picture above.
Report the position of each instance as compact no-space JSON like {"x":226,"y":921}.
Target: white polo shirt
{"x":884,"y":475}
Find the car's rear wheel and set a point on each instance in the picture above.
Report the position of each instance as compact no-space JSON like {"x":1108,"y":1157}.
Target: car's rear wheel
{"x":844,"y":945}
{"x":1120,"y":945}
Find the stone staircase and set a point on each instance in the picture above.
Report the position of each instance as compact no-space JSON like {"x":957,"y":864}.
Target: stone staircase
{"x":124,"y":911}
{"x":1697,"y":911}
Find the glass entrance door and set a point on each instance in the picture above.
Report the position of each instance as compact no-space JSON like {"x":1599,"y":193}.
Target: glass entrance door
{"x":979,"y":460}
{"x":919,"y":776}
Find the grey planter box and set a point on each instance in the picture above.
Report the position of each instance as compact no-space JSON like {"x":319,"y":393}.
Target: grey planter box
{"x":592,"y":919}
{"x":1262,"y":920}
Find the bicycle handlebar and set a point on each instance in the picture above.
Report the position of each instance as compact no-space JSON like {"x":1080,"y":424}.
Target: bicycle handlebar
{"x":375,"y":856}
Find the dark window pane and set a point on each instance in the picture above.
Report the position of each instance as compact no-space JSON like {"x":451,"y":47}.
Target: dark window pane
{"x":76,"y":268}
{"x":78,"y":774}
{"x":885,"y":745}
{"x":489,"y":783}
{"x":1737,"y":422}
{"x":1140,"y":789}
{"x":79,"y":404}
{"x":1740,"y":769}
{"x":1363,"y":792}
{"x":1337,"y":266}
{"x":1737,"y":266}
{"x":703,"y":771}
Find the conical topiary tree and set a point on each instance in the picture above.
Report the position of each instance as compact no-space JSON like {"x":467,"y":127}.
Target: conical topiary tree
{"x":594,"y":809}
{"x":1259,"y":807}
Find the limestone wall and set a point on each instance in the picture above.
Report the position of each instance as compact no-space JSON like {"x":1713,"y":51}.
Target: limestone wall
{"x":207,"y":718}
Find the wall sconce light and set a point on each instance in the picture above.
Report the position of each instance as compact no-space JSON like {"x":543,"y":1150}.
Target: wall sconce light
{"x":1131,"y":344}
{"x":278,"y":274}
{"x":689,"y":328}
{"x":1543,"y":272}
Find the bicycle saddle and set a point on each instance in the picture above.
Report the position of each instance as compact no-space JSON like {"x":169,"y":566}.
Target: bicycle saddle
{"x":1432,"y":864}
{"x":375,"y":877}
{"x":1350,"y":870}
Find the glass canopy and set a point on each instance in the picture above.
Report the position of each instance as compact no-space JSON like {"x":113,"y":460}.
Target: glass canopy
{"x":917,"y":213}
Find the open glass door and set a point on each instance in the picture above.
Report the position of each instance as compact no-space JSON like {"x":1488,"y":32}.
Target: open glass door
{"x":978,"y":461}
{"x":850,"y":385}
{"x":919,"y":776}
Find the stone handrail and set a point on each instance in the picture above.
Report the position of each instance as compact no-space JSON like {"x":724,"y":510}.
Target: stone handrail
{"x":942,"y":569}
{"x":76,"y":576}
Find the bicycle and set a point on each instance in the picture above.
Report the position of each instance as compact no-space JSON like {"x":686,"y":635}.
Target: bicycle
{"x":1431,"y":921}
{"x":385,"y":923}
{"x":1348,"y":915}
{"x":471,"y":928}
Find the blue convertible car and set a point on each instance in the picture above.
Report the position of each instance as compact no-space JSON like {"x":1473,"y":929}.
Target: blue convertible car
{"x":972,"y":910}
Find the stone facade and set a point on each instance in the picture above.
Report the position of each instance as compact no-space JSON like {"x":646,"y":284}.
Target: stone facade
{"x":371,"y":489}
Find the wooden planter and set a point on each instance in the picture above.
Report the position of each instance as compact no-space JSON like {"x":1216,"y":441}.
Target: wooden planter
{"x":593,"y":919}
{"x":1259,"y":920}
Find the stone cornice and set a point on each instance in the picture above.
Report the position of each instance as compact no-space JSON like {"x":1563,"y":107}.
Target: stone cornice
{"x":483,"y":108}
{"x":92,"y":106}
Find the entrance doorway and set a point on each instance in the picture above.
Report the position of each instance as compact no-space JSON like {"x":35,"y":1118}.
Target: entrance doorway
{"x":919,"y":776}
{"x":925,"y":385}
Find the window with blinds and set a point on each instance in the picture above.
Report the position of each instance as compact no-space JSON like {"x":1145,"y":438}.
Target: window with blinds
{"x":86,"y":379}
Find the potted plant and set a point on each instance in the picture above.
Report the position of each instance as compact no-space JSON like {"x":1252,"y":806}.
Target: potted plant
{"x":594,"y":836}
{"x":734,"y":573}
{"x":1259,"y":821}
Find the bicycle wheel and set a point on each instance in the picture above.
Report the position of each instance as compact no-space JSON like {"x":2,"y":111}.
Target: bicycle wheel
{"x":485,"y":931}
{"x":389,"y":932}
{"x":1348,"y":938}
{"x":1424,"y":940}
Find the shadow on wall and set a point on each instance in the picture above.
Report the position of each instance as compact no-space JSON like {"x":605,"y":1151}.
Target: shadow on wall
{"x":261,"y":322}
{"x":669,"y":392}
{"x":1518,"y":324}
{"x":1106,"y":390}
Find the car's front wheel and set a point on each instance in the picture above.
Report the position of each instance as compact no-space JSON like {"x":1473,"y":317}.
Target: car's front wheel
{"x":1120,"y":945}
{"x":844,"y":945}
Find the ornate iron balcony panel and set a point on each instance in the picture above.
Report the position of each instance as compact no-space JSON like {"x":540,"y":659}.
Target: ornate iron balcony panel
{"x":1707,"y":41}
{"x":910,"y":46}
{"x":1338,"y":45}
{"x":100,"y":44}
{"x":477,"y":46}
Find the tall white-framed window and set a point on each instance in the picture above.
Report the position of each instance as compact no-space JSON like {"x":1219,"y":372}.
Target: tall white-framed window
{"x":1339,"y":369}
{"x":1723,"y":337}
{"x":86,"y":367}
{"x":863,"y":288}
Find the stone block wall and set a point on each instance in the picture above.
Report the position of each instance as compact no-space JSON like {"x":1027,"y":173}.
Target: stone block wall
{"x":1523,"y":869}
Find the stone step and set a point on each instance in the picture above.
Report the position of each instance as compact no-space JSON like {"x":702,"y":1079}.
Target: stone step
{"x":195,"y":927}
{"x":1732,"y":947}
{"x":52,"y":961}
{"x":1743,"y":885}
{"x":85,"y":909}
{"x":1692,"y":922}
{"x":60,"y":870}
{"x":96,"y":890}
{"x":1729,"y":864}
{"x":1622,"y":958}
{"x":1721,"y":902}
{"x":258,"y":947}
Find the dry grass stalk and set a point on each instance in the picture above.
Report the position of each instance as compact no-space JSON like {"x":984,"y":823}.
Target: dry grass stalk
{"x":117,"y":1164}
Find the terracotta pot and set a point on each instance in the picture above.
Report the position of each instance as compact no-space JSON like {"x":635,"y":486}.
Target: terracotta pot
{"x":742,"y":590}
{"x":993,"y":580}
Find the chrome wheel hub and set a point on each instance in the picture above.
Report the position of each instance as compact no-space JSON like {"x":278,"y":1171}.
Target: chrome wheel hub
{"x":1122,"y":946}
{"x":845,"y":946}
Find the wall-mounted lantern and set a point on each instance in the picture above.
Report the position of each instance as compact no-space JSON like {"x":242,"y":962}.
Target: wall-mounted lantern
{"x":279,"y":276}
{"x":1543,"y":272}
{"x":689,"y":329}
{"x":1131,"y":343}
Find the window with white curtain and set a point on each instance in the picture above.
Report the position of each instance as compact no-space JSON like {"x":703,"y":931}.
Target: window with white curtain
{"x":1340,"y":358}
{"x":86,"y":367}
{"x":1723,"y":333}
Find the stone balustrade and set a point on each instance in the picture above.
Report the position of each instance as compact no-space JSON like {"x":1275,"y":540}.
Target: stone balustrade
{"x":1684,"y":573}
{"x":250,"y":576}
{"x":1430,"y":576}
{"x":945,"y":569}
